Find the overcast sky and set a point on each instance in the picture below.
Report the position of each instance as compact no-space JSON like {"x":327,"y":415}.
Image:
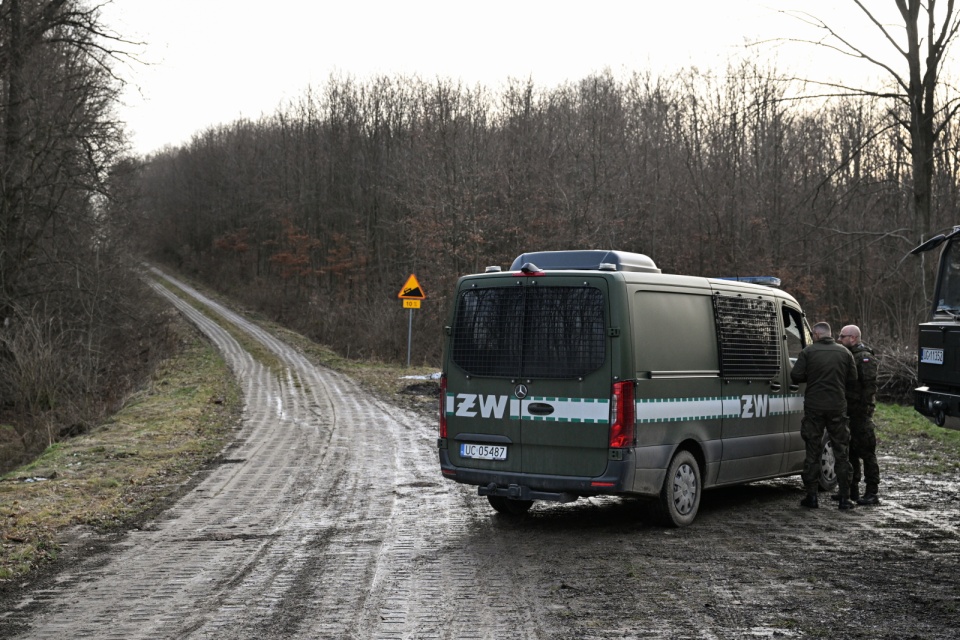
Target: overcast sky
{"x":214,"y":61}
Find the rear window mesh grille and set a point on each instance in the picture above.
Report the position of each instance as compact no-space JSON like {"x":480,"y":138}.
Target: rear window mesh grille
{"x":530,"y":331}
{"x":748,"y":337}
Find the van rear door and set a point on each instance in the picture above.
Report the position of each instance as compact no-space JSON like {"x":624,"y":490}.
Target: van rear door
{"x":528,"y":375}
{"x":754,"y":385}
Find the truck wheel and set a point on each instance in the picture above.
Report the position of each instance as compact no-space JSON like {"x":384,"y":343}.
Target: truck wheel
{"x":828,"y":465}
{"x":510,"y":507}
{"x":680,"y":497}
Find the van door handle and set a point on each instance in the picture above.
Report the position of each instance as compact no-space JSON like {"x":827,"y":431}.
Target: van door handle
{"x":794,"y":387}
{"x":775,"y":386}
{"x":540,"y":408}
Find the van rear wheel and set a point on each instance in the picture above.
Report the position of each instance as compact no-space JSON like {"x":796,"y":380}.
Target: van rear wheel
{"x":680,"y":497}
{"x":828,"y":465}
{"x":510,"y":507}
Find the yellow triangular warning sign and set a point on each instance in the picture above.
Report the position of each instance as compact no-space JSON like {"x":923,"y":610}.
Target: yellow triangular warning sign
{"x":412,"y":290}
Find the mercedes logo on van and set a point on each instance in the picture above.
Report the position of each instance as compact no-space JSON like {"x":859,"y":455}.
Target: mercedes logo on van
{"x":521,"y":391}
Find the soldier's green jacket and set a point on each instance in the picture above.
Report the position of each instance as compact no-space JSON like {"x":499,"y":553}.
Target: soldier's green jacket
{"x":827,"y":367}
{"x":861,"y":394}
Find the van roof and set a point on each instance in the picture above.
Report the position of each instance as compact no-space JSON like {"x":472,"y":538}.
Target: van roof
{"x":767,"y":281}
{"x":590,"y":260}
{"x":625,"y":261}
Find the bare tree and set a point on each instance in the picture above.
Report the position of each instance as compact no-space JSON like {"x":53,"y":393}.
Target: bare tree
{"x":72,"y":312}
{"x":928,"y":30}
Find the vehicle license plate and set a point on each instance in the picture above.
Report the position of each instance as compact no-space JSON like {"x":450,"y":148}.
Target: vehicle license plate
{"x":931,"y":356}
{"x":483,"y":451}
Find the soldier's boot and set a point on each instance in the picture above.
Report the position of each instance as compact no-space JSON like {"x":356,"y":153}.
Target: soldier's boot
{"x":846,"y":503}
{"x":854,"y":495}
{"x":869,"y":499}
{"x":811,"y":501}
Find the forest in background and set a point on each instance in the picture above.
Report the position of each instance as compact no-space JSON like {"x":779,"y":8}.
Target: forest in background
{"x":317,"y":214}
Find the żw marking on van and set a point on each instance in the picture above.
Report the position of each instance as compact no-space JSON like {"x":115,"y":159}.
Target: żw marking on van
{"x":755,"y":406}
{"x":490,"y":406}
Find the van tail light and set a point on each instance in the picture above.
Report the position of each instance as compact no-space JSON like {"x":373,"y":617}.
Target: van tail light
{"x":623,"y":415}
{"x":443,"y":406}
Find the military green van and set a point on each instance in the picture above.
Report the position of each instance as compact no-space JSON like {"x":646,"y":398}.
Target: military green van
{"x":585,"y":373}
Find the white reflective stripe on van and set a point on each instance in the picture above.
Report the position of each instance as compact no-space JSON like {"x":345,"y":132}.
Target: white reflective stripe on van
{"x":585,"y":410}
{"x":746,"y":406}
{"x":649,"y":410}
{"x":677,"y":409}
{"x":785,"y":405}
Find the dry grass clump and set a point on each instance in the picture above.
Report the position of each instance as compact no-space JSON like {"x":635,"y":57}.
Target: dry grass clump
{"x":126,"y":468}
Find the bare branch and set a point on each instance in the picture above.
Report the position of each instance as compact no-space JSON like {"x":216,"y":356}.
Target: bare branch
{"x":882,"y":28}
{"x":850,"y":49}
{"x":845,"y":91}
{"x":951,"y":112}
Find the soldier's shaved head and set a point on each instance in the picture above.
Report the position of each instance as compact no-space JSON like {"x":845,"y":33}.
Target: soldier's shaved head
{"x":852,"y":330}
{"x":821,"y":330}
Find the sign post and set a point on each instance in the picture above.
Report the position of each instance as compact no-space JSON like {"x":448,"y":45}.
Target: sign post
{"x":411,"y":294}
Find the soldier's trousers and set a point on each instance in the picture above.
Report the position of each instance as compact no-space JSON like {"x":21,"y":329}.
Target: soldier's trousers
{"x":812,"y":428}
{"x":863,"y":446}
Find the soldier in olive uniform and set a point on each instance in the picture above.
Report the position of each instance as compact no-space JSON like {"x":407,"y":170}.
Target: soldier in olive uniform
{"x":827,"y":368}
{"x":861,"y":401}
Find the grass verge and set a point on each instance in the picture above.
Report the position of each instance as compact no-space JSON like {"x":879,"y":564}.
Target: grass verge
{"x":127,"y":468}
{"x":918,"y":445}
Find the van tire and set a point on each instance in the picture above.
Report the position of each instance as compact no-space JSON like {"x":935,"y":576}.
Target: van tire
{"x":828,"y":470}
{"x":679,"y":499}
{"x":510,"y":507}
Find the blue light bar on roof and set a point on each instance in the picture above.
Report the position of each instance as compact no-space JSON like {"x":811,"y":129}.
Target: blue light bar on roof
{"x":767,"y":281}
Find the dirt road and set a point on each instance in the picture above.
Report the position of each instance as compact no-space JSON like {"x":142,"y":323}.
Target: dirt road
{"x":328,"y":519}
